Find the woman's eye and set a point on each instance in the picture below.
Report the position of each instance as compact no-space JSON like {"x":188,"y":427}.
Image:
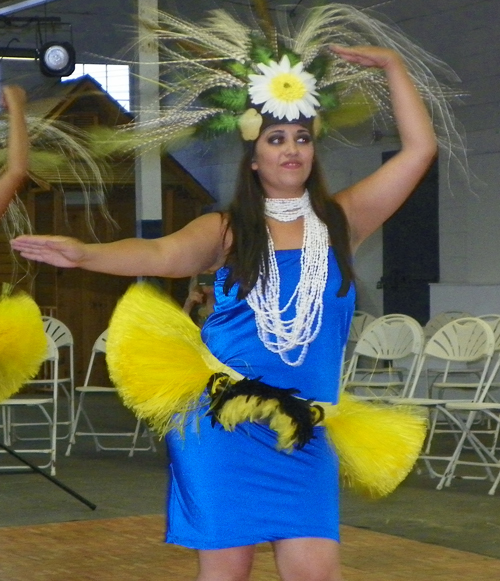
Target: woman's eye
{"x":304,"y":139}
{"x":275,"y":140}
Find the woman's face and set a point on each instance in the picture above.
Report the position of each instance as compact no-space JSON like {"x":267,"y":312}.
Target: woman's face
{"x":283,"y":159}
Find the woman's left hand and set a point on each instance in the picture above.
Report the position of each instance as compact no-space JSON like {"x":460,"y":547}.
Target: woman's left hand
{"x":368,"y":56}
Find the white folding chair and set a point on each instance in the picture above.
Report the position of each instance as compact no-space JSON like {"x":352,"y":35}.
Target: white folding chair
{"x":390,"y":340}
{"x":459,"y":342}
{"x":494,"y":322}
{"x":485,"y":413}
{"x":441,"y":319}
{"x":37,"y":406}
{"x":99,"y":349}
{"x":434,"y":324}
{"x":360,"y":320}
{"x":487,"y":455}
{"x":63,"y":339}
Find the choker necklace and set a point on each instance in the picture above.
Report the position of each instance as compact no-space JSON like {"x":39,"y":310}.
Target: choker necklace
{"x":287,"y":209}
{"x":277,"y":333}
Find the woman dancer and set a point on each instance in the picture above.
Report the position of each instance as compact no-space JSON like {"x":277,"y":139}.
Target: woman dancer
{"x":14,"y":99}
{"x":232,"y":490}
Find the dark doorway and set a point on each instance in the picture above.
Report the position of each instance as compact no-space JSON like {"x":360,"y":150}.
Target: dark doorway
{"x":411,"y":250}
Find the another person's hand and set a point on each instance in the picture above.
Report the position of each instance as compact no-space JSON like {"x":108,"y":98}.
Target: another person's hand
{"x":59,"y":251}
{"x":13,"y":96}
{"x":195,"y":297}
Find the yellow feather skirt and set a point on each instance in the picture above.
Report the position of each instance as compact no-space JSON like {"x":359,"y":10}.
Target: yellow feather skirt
{"x":23,"y":344}
{"x":161,"y":368}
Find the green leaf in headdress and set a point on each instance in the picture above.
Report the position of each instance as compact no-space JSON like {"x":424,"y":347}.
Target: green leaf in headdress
{"x":217,"y":125}
{"x":328,"y":98}
{"x":293,"y":57}
{"x":109,"y":141}
{"x":319,"y":66}
{"x":353,"y":109}
{"x":239,"y":70}
{"x":47,"y":160}
{"x":261,"y":52}
{"x":232,"y":99}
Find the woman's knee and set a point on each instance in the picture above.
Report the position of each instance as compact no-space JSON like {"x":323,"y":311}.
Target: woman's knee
{"x":234,"y":564}
{"x":310,"y":558}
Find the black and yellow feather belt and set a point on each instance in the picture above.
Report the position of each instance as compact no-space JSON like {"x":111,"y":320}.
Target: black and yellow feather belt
{"x":161,"y":368}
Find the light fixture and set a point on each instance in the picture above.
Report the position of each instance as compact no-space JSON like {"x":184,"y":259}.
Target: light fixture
{"x":20,"y":54}
{"x":57,"y":59}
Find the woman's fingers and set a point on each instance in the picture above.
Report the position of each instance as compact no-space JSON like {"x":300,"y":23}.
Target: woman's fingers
{"x":370,"y":56}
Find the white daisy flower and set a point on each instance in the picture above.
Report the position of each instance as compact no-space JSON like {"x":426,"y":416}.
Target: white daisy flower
{"x":286,"y":91}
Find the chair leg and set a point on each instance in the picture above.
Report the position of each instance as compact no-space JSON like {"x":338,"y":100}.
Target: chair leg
{"x":492,"y":490}
{"x":134,"y":448}
{"x":74,"y":424}
{"x":483,"y":452}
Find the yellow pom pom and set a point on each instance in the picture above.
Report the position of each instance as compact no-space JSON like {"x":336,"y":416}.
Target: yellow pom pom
{"x":377,"y":444}
{"x":156,"y":357}
{"x":23,"y":344}
{"x":161,"y":367}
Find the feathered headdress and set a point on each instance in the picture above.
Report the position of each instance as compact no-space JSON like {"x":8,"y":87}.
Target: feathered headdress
{"x":221,"y":75}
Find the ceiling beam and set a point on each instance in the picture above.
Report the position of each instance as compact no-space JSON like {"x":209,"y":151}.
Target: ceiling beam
{"x":24,"y":5}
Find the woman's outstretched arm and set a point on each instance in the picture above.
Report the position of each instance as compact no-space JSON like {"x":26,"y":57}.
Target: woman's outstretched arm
{"x":197,"y":247}
{"x":374,"y":199}
{"x":14,"y":99}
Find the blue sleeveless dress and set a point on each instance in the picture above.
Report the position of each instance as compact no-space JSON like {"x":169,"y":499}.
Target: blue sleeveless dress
{"x":229,"y":489}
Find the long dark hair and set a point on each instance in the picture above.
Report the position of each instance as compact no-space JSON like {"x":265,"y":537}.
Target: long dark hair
{"x":247,"y":223}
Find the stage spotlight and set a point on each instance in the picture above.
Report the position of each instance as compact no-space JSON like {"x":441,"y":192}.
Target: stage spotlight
{"x":57,"y":59}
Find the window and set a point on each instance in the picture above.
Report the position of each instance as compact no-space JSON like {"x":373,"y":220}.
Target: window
{"x":114,"y":79}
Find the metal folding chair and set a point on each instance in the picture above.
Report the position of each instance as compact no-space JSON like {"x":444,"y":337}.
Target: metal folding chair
{"x":39,"y":407}
{"x":99,"y":350}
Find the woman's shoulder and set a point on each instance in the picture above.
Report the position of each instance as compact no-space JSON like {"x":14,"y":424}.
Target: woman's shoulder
{"x":211,"y":224}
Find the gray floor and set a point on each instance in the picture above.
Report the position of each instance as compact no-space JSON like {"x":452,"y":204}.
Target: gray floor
{"x":462,"y":517}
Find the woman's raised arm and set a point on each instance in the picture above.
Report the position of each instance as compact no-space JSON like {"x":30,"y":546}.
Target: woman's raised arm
{"x":14,"y":99}
{"x":374,"y":199}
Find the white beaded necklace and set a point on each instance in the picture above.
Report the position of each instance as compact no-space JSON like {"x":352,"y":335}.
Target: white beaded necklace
{"x":280,"y":335}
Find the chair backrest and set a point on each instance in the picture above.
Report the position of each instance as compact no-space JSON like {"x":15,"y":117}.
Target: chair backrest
{"x":100,"y":342}
{"x":52,"y":351}
{"x":99,"y":347}
{"x":391,"y":337}
{"x":441,"y":319}
{"x":494,"y":322}
{"x":63,"y":339}
{"x":464,"y":340}
{"x":360,"y":320}
{"x":58,"y":331}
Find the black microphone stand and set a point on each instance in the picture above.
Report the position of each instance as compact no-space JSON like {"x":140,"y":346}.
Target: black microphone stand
{"x":55,"y":481}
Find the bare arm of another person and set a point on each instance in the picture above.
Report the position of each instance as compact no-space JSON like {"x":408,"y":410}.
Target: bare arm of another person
{"x":14,"y":99}
{"x":196,"y":247}
{"x":374,"y":199}
{"x":195,"y":297}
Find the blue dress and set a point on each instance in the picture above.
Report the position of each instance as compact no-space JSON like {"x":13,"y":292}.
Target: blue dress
{"x":230,"y":489}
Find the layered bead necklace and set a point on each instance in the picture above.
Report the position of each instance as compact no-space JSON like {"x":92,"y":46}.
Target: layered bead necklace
{"x":277,"y":333}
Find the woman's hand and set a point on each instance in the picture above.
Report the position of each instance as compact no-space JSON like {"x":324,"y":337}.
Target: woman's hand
{"x":368,"y":56}
{"x":59,"y":251}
